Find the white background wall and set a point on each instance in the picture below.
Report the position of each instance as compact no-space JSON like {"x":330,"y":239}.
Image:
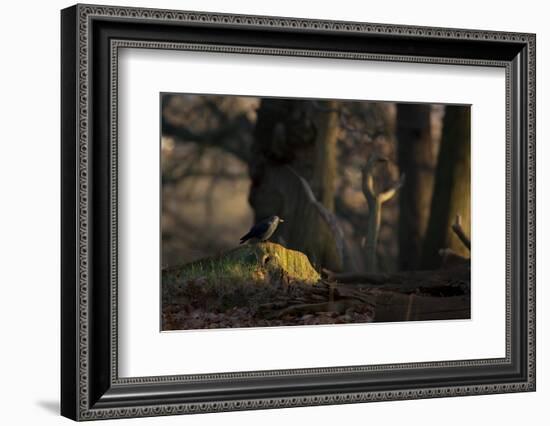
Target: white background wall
{"x":29,"y":211}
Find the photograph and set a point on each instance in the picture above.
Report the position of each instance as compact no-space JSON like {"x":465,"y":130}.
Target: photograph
{"x":265,"y":209}
{"x":305,"y":212}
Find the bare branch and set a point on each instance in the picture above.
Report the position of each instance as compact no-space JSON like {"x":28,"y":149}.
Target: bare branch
{"x":225,"y":137}
{"x":340,"y":306}
{"x":390,"y":192}
{"x":457,"y":228}
{"x":324,"y":213}
{"x":367,"y":178}
{"x":375,"y":201}
{"x":406,"y":281}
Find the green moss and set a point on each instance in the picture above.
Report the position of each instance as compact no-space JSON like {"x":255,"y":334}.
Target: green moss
{"x":249,"y":263}
{"x":247,"y":275}
{"x":274,"y":257}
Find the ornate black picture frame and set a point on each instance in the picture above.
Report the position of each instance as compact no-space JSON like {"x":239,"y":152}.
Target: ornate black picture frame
{"x":91,"y":37}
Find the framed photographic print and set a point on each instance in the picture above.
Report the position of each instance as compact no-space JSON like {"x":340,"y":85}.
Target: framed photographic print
{"x":263,"y":212}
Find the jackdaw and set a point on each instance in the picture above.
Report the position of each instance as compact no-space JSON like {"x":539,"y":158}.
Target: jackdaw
{"x":262,"y":230}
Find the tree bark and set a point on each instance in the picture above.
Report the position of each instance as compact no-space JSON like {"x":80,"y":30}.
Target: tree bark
{"x":324,"y":175}
{"x":451,"y":194}
{"x":293,"y":168}
{"x":416,"y":159}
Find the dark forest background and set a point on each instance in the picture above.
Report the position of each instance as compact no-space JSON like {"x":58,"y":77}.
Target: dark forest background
{"x":362,"y":186}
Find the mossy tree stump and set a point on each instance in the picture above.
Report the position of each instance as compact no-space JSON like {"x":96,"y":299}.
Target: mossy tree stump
{"x":245,"y":276}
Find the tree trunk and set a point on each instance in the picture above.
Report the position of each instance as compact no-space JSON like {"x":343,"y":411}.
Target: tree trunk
{"x":324,"y":175}
{"x":293,"y":168}
{"x":451,"y":194}
{"x":417,"y":161}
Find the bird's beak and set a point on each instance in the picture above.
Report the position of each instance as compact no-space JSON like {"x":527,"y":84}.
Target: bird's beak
{"x":281,"y":220}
